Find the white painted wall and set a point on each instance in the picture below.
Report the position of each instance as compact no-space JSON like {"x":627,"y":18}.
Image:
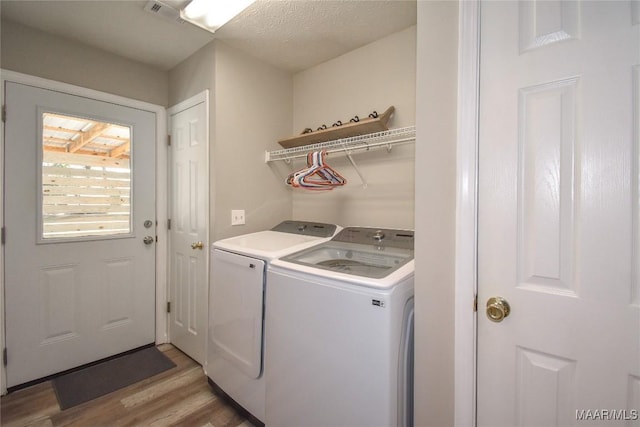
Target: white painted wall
{"x":435,"y":198}
{"x":372,"y":77}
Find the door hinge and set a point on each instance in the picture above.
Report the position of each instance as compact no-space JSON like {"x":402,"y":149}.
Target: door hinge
{"x":169,"y":224}
{"x":475,"y":303}
{"x":3,"y":236}
{"x":4,"y":114}
{"x":168,"y":306}
{"x":4,"y":356}
{"x":169,"y":140}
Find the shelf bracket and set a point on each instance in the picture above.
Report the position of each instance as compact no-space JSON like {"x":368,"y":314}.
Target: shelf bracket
{"x":357,"y":169}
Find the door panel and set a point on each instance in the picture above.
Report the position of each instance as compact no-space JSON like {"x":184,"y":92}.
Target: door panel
{"x":189,"y":216}
{"x":556,"y":197}
{"x":71,"y":302}
{"x":545,"y":216}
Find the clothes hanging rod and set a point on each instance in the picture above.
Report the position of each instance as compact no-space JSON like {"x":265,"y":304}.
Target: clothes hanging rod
{"x":348,"y":145}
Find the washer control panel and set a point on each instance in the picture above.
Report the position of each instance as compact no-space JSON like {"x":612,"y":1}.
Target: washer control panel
{"x":316,"y":229}
{"x":392,"y":238}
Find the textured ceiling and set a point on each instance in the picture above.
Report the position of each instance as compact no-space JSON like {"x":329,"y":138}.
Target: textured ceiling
{"x":292,"y":35}
{"x":296,"y":35}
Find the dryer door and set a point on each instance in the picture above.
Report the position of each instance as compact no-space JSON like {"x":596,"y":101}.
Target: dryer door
{"x":237,"y":289}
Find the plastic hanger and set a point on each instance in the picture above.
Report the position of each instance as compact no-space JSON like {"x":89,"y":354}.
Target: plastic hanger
{"x":318,"y":175}
{"x":315,"y":176}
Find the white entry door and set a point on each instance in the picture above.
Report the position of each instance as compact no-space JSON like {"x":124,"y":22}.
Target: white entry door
{"x":80,"y":230}
{"x":189,"y":284}
{"x":558,"y":214}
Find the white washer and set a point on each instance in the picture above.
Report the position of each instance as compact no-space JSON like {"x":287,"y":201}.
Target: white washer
{"x":235,"y":345}
{"x":339,"y":320}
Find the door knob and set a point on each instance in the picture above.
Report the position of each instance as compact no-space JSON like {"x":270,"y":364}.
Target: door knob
{"x":497,"y":309}
{"x":148,"y":240}
{"x":197,"y":245}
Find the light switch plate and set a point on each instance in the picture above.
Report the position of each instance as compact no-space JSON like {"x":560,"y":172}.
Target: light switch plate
{"x":237,"y":217}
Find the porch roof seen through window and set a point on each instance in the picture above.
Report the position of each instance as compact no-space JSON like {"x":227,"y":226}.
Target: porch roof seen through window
{"x":62,"y":133}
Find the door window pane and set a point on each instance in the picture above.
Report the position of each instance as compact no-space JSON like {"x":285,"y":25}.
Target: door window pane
{"x":86,"y":178}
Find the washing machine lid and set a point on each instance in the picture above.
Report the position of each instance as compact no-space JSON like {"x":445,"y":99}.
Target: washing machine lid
{"x":366,"y":252}
{"x":284,"y":238}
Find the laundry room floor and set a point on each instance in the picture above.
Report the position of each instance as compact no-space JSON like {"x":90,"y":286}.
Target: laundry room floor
{"x":179,"y":396}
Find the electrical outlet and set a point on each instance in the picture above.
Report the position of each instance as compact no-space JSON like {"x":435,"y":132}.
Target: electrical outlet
{"x":237,"y":217}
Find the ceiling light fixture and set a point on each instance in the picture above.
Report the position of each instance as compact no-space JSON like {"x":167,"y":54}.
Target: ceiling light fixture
{"x":212,"y":14}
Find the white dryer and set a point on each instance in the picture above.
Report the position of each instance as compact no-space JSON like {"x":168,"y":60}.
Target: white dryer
{"x":340,"y":329}
{"x":235,"y":345}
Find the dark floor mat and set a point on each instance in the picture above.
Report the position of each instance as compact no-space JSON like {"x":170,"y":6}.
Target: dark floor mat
{"x":94,"y":381}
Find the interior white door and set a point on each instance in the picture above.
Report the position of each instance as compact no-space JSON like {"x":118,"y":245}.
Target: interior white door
{"x":74,"y":295}
{"x":189,"y":285}
{"x":558,"y":214}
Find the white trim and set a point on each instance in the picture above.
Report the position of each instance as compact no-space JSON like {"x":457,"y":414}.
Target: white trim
{"x":188,"y":103}
{"x":635,"y":282}
{"x":466,"y":213}
{"x":161,"y":189}
{"x":162,"y":217}
{"x":3,"y":374}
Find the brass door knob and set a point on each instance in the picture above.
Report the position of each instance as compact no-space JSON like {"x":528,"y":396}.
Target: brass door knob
{"x":497,"y":309}
{"x":197,"y":245}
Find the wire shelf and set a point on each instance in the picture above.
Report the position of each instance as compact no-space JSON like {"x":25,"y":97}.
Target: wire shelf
{"x":366,"y":142}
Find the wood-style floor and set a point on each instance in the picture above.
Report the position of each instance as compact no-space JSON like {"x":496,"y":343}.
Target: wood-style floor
{"x":180,"y":396}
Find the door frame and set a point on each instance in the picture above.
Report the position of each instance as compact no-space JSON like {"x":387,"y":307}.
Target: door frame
{"x":466,"y":283}
{"x":161,"y":190}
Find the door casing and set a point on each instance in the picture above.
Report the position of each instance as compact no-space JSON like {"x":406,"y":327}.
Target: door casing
{"x":466,"y":212}
{"x":161,"y":191}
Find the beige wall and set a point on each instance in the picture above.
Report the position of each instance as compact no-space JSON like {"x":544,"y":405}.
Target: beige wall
{"x":250,"y":109}
{"x":373,"y":77}
{"x":436,"y":123}
{"x":193,"y":75}
{"x":30,"y":51}
{"x":253,"y":110}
